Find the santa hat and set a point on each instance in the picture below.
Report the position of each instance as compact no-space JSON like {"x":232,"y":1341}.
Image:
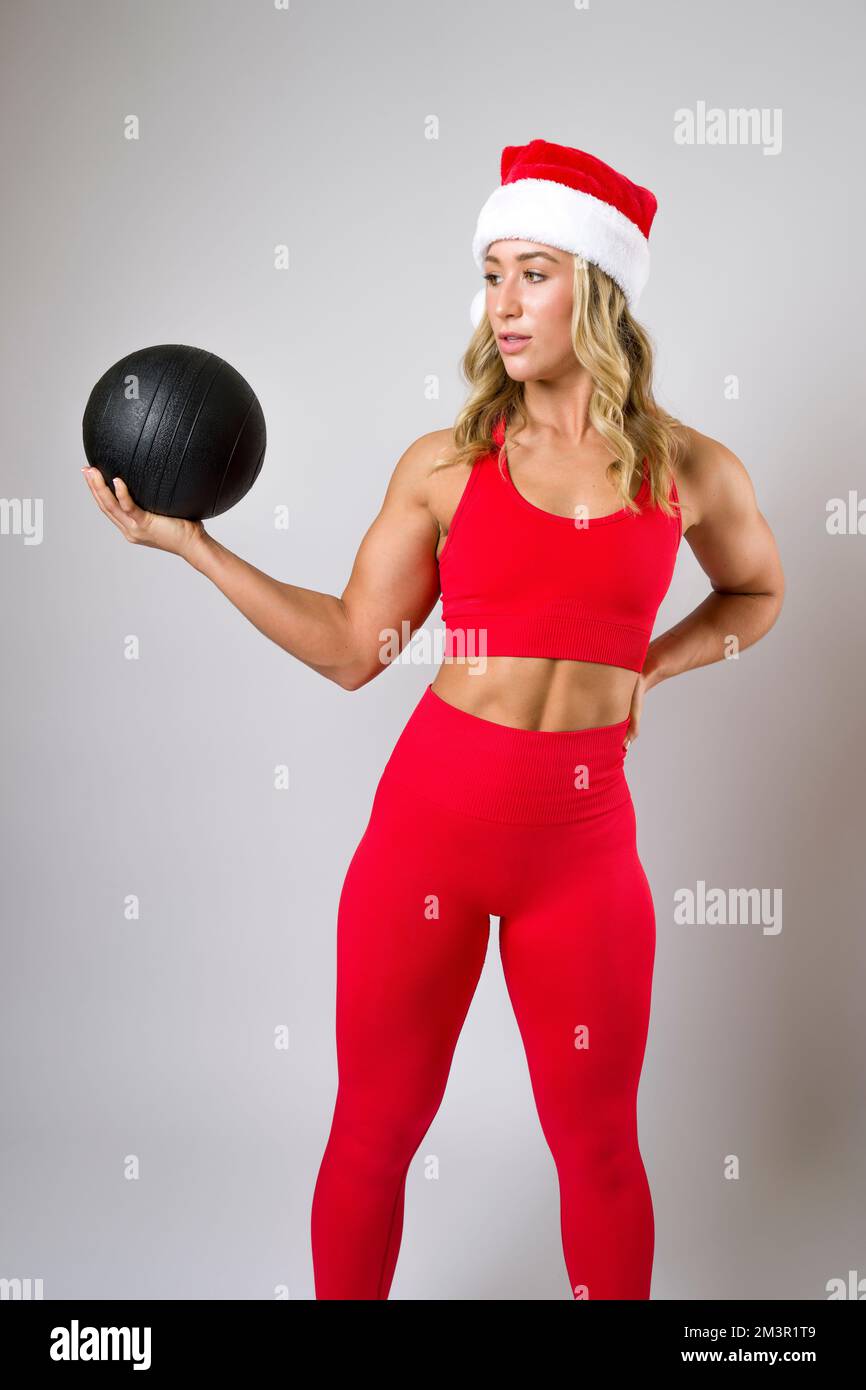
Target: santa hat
{"x":565,"y":198}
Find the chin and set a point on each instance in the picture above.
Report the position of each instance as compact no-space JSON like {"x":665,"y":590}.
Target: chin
{"x":519,"y":371}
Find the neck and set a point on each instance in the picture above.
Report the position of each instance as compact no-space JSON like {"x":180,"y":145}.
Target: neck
{"x":558,"y":410}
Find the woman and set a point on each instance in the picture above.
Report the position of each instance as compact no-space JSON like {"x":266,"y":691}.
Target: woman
{"x":549,"y":519}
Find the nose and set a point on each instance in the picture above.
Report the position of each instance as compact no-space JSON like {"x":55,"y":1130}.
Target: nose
{"x":507,"y":302}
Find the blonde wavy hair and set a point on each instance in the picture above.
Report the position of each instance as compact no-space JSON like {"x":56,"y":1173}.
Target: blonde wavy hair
{"x":617,"y":353}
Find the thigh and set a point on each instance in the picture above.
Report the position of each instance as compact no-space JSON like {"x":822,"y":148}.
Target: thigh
{"x":577,"y":953}
{"x":412,"y":936}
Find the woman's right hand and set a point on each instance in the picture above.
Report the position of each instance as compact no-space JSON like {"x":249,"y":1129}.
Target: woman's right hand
{"x":171,"y":533}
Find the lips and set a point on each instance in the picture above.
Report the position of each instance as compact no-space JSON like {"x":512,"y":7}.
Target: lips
{"x":511,"y":343}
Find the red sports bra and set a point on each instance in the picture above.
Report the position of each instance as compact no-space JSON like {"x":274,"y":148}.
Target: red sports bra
{"x":519,"y":581}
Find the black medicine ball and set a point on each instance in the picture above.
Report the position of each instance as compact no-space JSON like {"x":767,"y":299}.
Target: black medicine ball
{"x":180,"y":426}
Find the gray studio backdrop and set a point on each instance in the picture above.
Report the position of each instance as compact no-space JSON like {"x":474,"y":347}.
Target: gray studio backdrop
{"x":168,"y":1060}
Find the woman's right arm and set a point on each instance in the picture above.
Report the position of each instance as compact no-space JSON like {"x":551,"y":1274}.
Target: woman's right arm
{"x":392,"y":588}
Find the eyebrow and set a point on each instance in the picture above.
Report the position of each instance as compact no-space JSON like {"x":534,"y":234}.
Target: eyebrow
{"x":527,"y":256}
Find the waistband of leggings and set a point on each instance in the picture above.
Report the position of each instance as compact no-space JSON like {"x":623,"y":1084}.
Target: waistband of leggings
{"x":524,"y":776}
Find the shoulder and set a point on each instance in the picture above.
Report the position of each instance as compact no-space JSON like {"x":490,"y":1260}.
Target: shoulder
{"x":413,"y":486}
{"x":434,"y":450}
{"x":708,"y":476}
{"x":414,"y":467}
{"x":423,"y":456}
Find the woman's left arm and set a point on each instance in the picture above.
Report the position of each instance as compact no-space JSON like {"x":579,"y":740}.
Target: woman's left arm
{"x":736,"y":549}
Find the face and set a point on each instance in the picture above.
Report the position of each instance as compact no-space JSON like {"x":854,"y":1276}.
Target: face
{"x":529,"y":300}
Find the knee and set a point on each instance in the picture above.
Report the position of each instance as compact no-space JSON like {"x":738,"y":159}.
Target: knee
{"x":379,"y":1134}
{"x":604,"y":1153}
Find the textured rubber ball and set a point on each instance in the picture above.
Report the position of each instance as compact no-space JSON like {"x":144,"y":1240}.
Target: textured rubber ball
{"x":180,"y":426}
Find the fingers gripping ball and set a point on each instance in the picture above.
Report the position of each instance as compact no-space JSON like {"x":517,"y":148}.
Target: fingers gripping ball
{"x":180,"y":426}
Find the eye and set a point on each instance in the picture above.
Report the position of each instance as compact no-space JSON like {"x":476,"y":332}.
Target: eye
{"x":491,"y":276}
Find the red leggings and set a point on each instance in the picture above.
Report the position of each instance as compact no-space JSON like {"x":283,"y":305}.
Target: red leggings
{"x":471,"y":819}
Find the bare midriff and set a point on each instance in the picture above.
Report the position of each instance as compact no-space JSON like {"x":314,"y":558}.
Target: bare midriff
{"x":528,"y":692}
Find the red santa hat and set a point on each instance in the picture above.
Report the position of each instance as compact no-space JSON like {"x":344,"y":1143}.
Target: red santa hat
{"x":568,"y":199}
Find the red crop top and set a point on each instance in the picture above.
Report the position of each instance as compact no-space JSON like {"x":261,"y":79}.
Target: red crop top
{"x":520,"y":581}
